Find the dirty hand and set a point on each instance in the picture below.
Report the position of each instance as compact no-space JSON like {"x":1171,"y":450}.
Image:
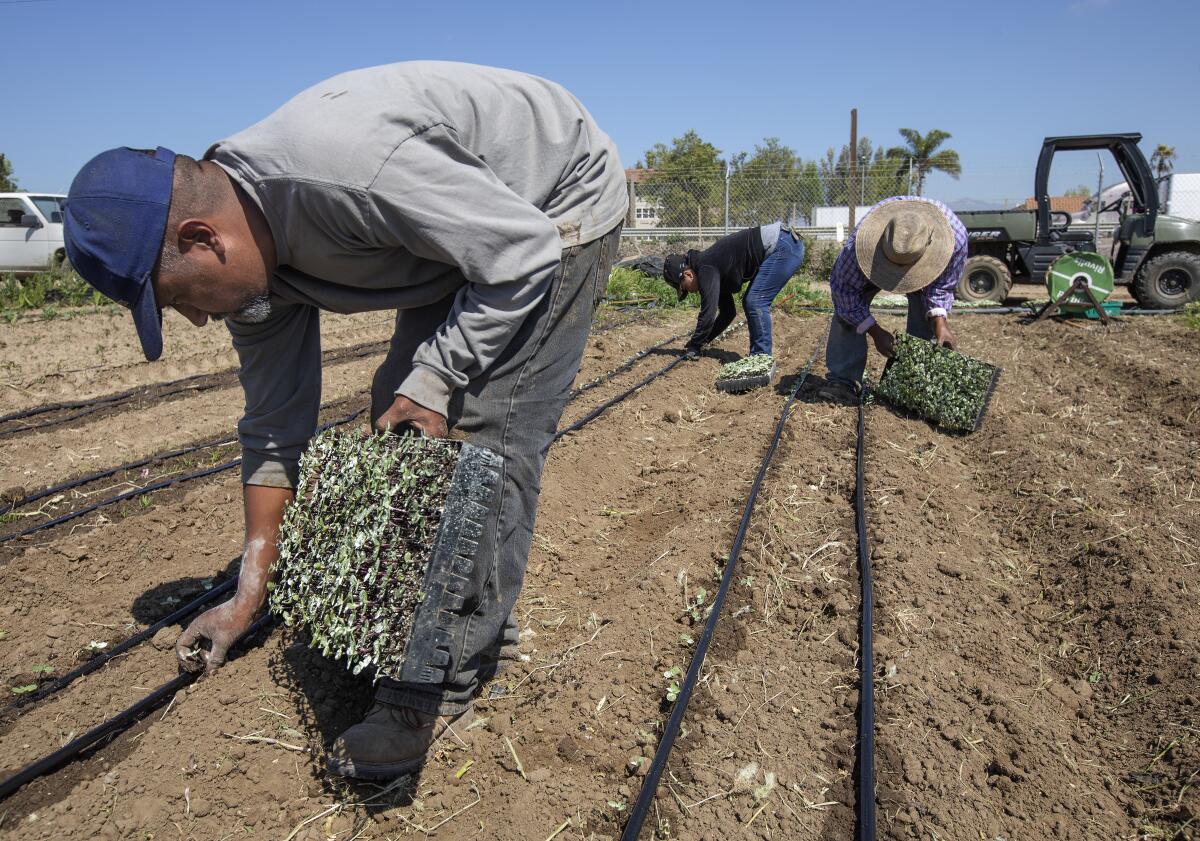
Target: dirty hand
{"x":221,"y":626}
{"x":404,"y":412}
{"x":943,"y":333}
{"x":885,"y":342}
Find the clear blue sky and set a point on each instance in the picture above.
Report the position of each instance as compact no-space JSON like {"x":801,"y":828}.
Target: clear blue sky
{"x":84,"y":75}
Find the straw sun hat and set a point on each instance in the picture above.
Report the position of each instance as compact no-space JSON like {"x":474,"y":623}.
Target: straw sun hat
{"x":903,"y":246}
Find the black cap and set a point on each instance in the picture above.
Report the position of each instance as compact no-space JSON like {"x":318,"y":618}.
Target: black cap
{"x":673,"y":268}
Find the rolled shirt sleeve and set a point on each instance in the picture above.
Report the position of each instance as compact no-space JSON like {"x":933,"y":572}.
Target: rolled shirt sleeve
{"x":504,"y":246}
{"x":281,"y":376}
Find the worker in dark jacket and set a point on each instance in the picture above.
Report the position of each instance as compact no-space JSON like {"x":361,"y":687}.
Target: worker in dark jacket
{"x":766,"y":256}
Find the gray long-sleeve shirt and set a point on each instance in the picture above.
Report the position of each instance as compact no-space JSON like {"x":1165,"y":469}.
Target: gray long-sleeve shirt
{"x":393,"y":187}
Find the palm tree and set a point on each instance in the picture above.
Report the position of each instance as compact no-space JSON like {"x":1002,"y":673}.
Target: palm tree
{"x":1163,"y":160}
{"x":922,"y":151}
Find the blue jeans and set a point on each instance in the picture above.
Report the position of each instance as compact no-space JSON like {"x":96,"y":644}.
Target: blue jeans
{"x":780,"y":265}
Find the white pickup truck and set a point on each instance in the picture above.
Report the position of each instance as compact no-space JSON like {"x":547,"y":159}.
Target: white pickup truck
{"x":31,"y":232}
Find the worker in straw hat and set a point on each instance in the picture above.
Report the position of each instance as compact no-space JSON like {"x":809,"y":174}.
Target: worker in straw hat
{"x":905,"y":245}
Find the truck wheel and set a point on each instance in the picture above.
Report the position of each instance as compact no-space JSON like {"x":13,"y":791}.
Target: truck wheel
{"x":984,"y":279}
{"x":1168,"y":281}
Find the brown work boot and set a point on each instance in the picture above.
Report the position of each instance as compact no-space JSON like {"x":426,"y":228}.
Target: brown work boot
{"x":390,"y":741}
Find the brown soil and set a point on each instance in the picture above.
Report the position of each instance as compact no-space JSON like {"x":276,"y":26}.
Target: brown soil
{"x":1036,"y":649}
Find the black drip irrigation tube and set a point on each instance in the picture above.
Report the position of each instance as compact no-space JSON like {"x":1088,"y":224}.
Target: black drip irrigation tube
{"x":184,"y":384}
{"x":623,"y":367}
{"x":151,"y":488}
{"x":120,"y":648}
{"x":216,"y":592}
{"x":637,"y":815}
{"x":866,"y":695}
{"x":612,"y":401}
{"x":122,"y":720}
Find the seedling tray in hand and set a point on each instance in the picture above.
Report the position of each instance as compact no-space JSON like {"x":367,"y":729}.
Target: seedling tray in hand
{"x":376,"y":551}
{"x":938,"y":384}
{"x":746,"y":374}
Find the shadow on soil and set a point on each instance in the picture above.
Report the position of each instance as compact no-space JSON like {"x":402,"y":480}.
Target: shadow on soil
{"x":161,"y":599}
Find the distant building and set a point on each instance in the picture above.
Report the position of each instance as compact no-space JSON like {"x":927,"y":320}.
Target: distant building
{"x":1058,"y":204}
{"x":643,"y":213}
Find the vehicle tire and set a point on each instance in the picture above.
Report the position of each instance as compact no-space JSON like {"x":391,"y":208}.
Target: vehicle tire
{"x":1168,"y":281}
{"x":60,"y":262}
{"x":984,"y":279}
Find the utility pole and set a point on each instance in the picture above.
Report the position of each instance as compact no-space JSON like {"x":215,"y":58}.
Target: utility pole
{"x":910,"y":176}
{"x":1096,"y":209}
{"x":853,"y":163}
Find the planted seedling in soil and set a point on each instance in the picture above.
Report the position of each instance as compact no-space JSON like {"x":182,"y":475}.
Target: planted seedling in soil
{"x":356,"y":543}
{"x":939,"y":384}
{"x":672,"y":676}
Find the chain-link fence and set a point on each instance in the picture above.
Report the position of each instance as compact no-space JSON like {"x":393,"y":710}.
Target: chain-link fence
{"x":699,"y":203}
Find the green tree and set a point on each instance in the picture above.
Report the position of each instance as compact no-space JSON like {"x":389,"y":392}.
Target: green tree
{"x":1081,"y":190}
{"x":773,"y":183}
{"x":880,"y":174}
{"x":8,"y":184}
{"x":688,"y":181}
{"x":1163,"y":160}
{"x":926,"y":156}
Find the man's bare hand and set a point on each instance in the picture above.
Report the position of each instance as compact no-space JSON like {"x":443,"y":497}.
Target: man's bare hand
{"x":885,"y":342}
{"x":404,"y":412}
{"x":221,"y":626}
{"x":943,"y":333}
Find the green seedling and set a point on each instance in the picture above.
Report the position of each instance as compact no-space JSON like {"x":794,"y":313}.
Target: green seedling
{"x":758,"y":365}
{"x":686,"y":640}
{"x":937,"y":383}
{"x":672,"y":676}
{"x":618,"y":805}
{"x":97,"y":645}
{"x":695,"y":607}
{"x":356,"y":542}
{"x":3,"y":634}
{"x":42,"y":669}
{"x":24,"y":690}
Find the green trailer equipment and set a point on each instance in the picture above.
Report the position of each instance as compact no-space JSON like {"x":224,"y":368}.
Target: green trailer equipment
{"x":1156,"y":255}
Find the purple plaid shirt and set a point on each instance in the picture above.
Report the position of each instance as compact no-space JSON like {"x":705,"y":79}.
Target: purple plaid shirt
{"x":848,"y":285}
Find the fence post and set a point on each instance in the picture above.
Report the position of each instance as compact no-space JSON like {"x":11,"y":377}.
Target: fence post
{"x":727,"y":198}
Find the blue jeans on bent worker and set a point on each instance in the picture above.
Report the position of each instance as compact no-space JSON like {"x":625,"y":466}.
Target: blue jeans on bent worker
{"x":772,"y":275}
{"x":846,"y":351}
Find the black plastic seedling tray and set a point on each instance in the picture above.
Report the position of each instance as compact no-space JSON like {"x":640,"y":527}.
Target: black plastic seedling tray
{"x":736,"y":385}
{"x":982,"y":404}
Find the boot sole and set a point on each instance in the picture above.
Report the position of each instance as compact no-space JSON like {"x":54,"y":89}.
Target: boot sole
{"x":376,"y":771}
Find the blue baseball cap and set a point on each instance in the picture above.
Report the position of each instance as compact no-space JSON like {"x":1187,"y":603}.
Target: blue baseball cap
{"x":113,"y":228}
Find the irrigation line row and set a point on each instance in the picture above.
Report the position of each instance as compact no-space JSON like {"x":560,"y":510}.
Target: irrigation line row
{"x":637,"y":815}
{"x":120,"y":648}
{"x":151,"y":488}
{"x":133,"y":465}
{"x":216,"y":592}
{"x":130,"y":715}
{"x":866,"y":695}
{"x":623,"y":367}
{"x":122,"y":720}
{"x":189,"y":383}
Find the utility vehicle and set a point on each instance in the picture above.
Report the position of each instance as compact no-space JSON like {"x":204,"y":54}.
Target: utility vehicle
{"x":1156,"y":255}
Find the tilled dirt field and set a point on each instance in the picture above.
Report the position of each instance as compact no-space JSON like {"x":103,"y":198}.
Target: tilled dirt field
{"x":1036,"y":649}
